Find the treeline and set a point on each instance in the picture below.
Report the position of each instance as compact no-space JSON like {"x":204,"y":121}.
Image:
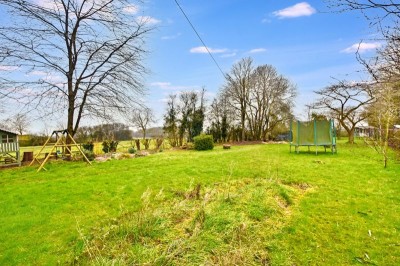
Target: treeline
{"x":185,"y":117}
{"x":99,"y":133}
{"x":255,"y":103}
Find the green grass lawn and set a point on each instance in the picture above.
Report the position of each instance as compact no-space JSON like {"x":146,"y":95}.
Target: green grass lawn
{"x":251,"y":205}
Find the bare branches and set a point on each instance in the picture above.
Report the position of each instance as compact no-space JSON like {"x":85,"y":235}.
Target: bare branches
{"x":87,"y":54}
{"x":346,"y":101}
{"x":262,"y":97}
{"x":142,"y":118}
{"x":237,"y":88}
{"x":385,"y":8}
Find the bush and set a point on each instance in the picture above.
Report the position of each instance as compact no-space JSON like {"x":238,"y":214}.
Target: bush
{"x":203,"y":142}
{"x":109,"y":146}
{"x":159,"y":142}
{"x":89,"y":154}
{"x":131,"y":150}
{"x":88,"y":146}
{"x":190,"y":146}
{"x":146,"y":143}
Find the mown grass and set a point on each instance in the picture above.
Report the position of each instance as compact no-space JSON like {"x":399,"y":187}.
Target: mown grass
{"x":255,"y":204}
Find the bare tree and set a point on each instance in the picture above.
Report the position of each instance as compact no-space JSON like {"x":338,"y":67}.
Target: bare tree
{"x":221,"y":117}
{"x":385,"y":66}
{"x":82,"y":57}
{"x":384,"y":15}
{"x":383,"y":114}
{"x":142,"y":118}
{"x":346,"y":101}
{"x":237,"y":88}
{"x":20,"y":123}
{"x":270,"y":101}
{"x":171,"y":121}
{"x":386,"y":8}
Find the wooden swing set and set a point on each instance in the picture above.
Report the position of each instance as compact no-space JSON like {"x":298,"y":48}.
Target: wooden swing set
{"x":59,"y":148}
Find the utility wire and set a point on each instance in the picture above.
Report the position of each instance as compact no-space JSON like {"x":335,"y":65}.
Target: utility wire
{"x":198,"y":35}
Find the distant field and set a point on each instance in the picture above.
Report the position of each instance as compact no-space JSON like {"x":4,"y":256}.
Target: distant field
{"x":123,"y":146}
{"x":250,"y":205}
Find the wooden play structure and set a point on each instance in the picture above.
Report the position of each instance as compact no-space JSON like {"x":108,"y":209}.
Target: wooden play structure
{"x":313,"y":134}
{"x":9,"y":148}
{"x":63,"y":147}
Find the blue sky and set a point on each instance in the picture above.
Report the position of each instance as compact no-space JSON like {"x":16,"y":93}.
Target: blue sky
{"x":306,"y":41}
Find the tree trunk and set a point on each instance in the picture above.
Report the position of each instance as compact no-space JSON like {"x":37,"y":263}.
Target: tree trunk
{"x":351,"y":136}
{"x":243,"y":119}
{"x":137,"y":142}
{"x":70,"y":125}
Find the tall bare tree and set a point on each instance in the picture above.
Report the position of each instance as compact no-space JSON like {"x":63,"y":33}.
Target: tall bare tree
{"x":82,"y":57}
{"x":270,"y":101}
{"x":384,"y":15}
{"x":171,"y":121}
{"x":383,"y":113}
{"x":142,"y":118}
{"x":347,"y":102}
{"x":387,"y":9}
{"x":237,"y":88}
{"x":221,"y":117}
{"x":20,"y":123}
{"x":385,"y":66}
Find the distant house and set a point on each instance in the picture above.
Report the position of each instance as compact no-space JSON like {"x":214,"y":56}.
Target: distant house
{"x":364,"y":130}
{"x":9,"y":148}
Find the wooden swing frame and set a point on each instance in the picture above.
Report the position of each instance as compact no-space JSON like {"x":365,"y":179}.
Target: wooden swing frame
{"x":61,"y":137}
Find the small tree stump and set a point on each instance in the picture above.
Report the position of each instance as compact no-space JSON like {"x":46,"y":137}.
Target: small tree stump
{"x":226,"y":146}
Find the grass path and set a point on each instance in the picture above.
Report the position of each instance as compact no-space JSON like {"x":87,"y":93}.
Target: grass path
{"x":348,"y":214}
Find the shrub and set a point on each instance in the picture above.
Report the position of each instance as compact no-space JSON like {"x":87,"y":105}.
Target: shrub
{"x":159,"y":142}
{"x":190,"y":146}
{"x":137,"y":143}
{"x":88,"y":146}
{"x":109,"y":146}
{"x":203,"y":142}
{"x":131,"y":150}
{"x":89,"y":154}
{"x":146,"y":143}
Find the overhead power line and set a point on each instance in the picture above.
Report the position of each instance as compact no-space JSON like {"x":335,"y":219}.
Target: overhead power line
{"x":201,"y":40}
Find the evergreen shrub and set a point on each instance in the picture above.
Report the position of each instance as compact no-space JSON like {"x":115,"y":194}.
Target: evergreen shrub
{"x":89,"y":146}
{"x":131,"y":150}
{"x":203,"y":142}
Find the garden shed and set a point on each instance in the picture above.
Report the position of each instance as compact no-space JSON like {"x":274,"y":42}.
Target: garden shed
{"x":9,"y":148}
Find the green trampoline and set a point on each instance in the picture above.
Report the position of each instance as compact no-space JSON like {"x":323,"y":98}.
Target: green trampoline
{"x":313,"y":133}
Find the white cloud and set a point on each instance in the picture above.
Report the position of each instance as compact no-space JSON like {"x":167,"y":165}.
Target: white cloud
{"x":163,"y":100}
{"x":298,"y":10}
{"x":37,"y":73}
{"x":8,"y":68}
{"x":203,"y":50}
{"x":361,"y":47}
{"x":131,"y":9}
{"x":168,"y":86}
{"x":162,"y":85}
{"x":148,"y":20}
{"x":228,"y":55}
{"x":49,"y":4}
{"x":170,"y":37}
{"x":257,"y":50}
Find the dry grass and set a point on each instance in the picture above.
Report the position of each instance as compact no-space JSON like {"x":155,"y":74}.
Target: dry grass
{"x":224,"y":224}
